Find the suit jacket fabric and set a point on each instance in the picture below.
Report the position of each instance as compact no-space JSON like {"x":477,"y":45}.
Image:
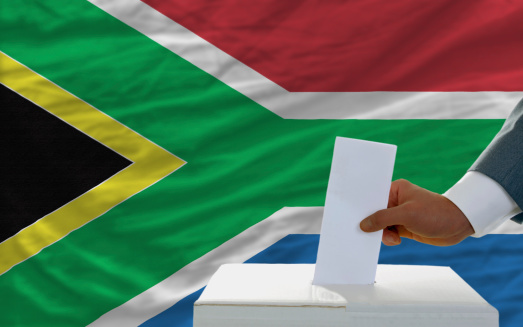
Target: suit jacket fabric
{"x":502,"y":160}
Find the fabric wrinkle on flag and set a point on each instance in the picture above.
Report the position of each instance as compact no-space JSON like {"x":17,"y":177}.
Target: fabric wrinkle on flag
{"x":253,"y":109}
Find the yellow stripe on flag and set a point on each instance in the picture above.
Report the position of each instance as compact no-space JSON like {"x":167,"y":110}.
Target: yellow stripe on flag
{"x":150,"y":163}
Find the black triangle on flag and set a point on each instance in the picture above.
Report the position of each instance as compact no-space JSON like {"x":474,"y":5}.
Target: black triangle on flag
{"x":45,"y":163}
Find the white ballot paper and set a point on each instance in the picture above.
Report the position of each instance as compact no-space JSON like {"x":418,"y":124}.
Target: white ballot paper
{"x":359,"y":185}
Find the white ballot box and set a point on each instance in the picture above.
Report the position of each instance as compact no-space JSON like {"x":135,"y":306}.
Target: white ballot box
{"x":263,"y":295}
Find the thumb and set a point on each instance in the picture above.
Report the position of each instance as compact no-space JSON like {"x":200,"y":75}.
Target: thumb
{"x":382,"y":219}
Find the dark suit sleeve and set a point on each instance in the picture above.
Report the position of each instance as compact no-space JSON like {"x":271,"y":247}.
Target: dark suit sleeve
{"x":502,"y":160}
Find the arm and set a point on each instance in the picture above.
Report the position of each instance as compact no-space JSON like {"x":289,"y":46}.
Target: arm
{"x":502,"y":160}
{"x":485,"y":203}
{"x":427,"y":217}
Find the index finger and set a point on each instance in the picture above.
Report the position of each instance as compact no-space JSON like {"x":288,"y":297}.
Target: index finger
{"x":382,"y":219}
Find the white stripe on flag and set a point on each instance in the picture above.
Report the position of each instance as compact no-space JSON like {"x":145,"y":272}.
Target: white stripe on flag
{"x":306,"y":105}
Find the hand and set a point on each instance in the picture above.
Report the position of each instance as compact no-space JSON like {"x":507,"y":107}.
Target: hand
{"x":416,"y":213}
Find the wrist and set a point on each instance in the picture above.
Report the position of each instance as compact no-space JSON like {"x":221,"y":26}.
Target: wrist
{"x":463,"y":227}
{"x":484,"y":202}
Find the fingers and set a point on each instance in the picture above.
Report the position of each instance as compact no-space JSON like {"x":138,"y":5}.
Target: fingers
{"x":383,"y":219}
{"x":397,"y":187}
{"x":391,"y":236}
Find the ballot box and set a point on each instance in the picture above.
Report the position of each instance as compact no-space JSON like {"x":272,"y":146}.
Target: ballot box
{"x":263,"y":295}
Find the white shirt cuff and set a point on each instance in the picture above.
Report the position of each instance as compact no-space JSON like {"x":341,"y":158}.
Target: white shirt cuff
{"x":483,"y":201}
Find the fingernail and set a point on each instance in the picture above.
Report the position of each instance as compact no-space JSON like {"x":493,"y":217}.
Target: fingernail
{"x":391,"y":238}
{"x":365,"y":225}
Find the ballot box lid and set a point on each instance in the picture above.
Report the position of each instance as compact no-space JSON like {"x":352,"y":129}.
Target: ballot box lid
{"x":276,"y":291}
